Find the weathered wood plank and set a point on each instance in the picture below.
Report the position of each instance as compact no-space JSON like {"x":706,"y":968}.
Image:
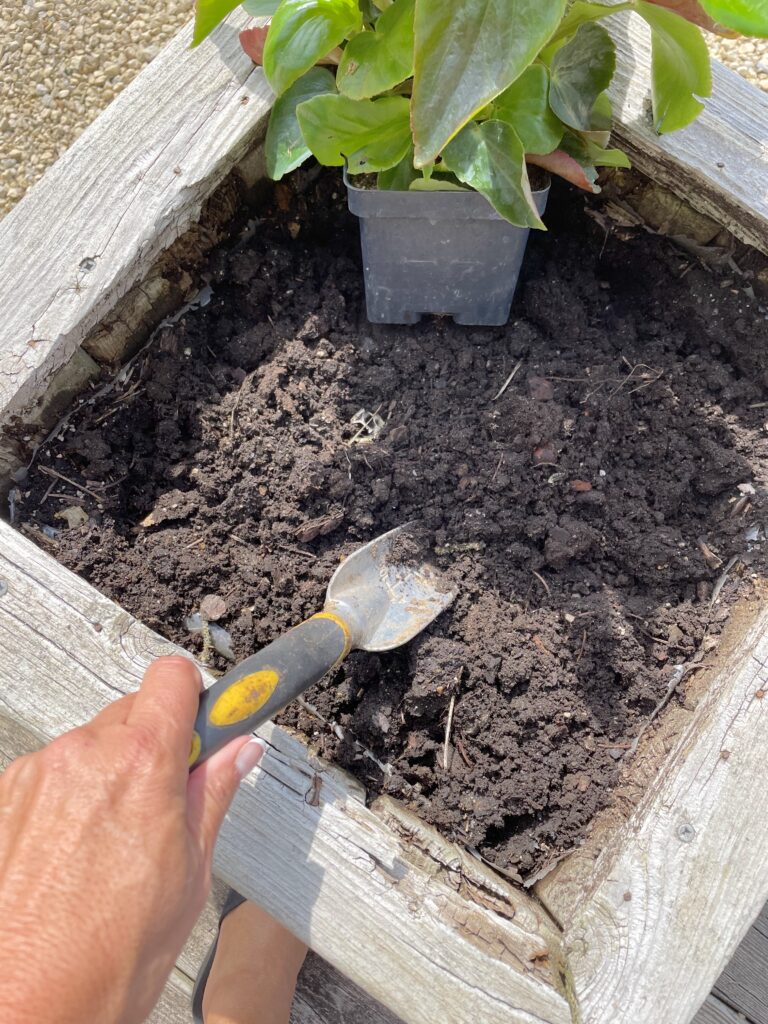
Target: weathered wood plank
{"x":16,"y":740}
{"x":654,"y":908}
{"x":719,"y":164}
{"x":762,"y":921}
{"x":715,"y":1012}
{"x":744,"y":982}
{"x":419,"y":925}
{"x":128,"y":187}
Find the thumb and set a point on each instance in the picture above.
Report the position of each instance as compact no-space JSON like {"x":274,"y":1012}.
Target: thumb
{"x":213,"y":784}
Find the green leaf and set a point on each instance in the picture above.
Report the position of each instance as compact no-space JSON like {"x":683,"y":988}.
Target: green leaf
{"x":466,"y":54}
{"x":579,"y":13}
{"x":399,"y":177}
{"x":284,"y":146}
{"x":490,"y":158}
{"x":379,"y":60}
{"x":208,"y":14}
{"x":590,"y":155}
{"x":680,"y":69}
{"x":303,"y":31}
{"x":371,"y":135}
{"x":600,"y":121}
{"x":581,"y":70}
{"x":750,"y":17}
{"x":260,"y":8}
{"x":524,"y":106}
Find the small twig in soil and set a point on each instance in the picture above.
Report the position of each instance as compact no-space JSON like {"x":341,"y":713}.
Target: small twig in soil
{"x":646,"y":632}
{"x":467,"y":760}
{"x":342,"y":734}
{"x":115,"y":407}
{"x":677,"y":678}
{"x":370,"y":423}
{"x":52,"y":434}
{"x":38,"y":535}
{"x":720,"y":582}
{"x":583,"y":646}
{"x":78,"y":487}
{"x":61,"y":496}
{"x":531,"y":880}
{"x":448,"y":724}
{"x":512,"y":875}
{"x":538,"y":642}
{"x":236,"y":403}
{"x":115,"y":483}
{"x":571,"y":380}
{"x":543,"y":582}
{"x":294,"y":551}
{"x":207,"y":651}
{"x":508,"y":381}
{"x":114,"y":410}
{"x":740,"y":506}
{"x":498,"y":467}
{"x":47,"y":494}
{"x":713,"y":560}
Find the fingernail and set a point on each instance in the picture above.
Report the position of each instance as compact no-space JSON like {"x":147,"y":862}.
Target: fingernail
{"x":249,"y":756}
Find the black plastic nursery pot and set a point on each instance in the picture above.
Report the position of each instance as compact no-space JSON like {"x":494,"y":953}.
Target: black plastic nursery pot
{"x":448,"y":253}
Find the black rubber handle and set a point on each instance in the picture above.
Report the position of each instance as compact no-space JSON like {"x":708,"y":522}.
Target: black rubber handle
{"x":256,"y":689}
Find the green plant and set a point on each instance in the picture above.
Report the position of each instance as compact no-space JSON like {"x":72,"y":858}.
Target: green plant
{"x":441,"y":94}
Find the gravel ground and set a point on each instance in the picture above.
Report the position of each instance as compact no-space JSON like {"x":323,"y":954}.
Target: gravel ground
{"x":62,"y":61}
{"x":749,"y":57}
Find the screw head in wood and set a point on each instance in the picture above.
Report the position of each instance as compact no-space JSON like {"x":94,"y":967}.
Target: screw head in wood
{"x":686,"y":833}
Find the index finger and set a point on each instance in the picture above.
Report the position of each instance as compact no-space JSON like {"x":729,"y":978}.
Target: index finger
{"x":167,"y":703}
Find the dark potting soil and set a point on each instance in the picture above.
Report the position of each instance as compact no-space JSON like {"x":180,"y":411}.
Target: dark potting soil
{"x":585,"y":511}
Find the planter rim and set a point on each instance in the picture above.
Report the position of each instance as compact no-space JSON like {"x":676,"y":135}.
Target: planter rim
{"x":449,"y":205}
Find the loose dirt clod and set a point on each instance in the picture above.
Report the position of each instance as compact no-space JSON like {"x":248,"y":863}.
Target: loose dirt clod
{"x":213,"y":607}
{"x":550,"y":684}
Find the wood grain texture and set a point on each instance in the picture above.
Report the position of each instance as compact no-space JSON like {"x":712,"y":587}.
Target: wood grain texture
{"x":719,"y":164}
{"x":744,"y":982}
{"x":761,"y":924}
{"x":128,"y":187}
{"x":418,"y":924}
{"x":654,"y":908}
{"x":716,"y":1012}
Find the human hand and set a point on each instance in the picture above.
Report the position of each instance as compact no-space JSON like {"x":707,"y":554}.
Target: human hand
{"x":106,"y":843}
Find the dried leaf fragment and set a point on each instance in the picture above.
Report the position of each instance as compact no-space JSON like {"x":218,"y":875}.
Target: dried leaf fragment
{"x":74,"y":516}
{"x":319,"y":527}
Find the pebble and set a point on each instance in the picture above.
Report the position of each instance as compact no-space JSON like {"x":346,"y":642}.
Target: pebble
{"x":748,"y":57}
{"x":61,"y":63}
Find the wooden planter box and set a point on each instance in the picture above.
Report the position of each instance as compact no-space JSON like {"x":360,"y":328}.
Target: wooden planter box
{"x":633,"y":928}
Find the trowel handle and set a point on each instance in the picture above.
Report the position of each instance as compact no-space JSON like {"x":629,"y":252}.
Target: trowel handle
{"x":256,"y":689}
